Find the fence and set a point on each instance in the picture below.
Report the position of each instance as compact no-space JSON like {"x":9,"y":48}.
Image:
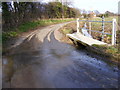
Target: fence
{"x":114,"y":28}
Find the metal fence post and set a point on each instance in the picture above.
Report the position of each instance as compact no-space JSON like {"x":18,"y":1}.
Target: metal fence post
{"x":114,"y":32}
{"x":77,"y":25}
{"x":103,"y":28}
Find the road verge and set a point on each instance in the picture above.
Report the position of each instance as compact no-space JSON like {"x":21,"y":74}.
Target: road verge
{"x":109,"y":53}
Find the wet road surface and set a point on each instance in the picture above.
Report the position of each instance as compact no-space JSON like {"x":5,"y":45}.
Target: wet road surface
{"x":42,"y":61}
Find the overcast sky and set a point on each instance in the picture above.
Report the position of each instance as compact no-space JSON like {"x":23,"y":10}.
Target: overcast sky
{"x":100,"y":5}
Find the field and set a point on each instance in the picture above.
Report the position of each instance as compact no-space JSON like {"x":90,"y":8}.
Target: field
{"x":98,"y":27}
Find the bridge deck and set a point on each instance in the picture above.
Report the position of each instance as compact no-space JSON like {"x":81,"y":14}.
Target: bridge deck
{"x":84,"y":39}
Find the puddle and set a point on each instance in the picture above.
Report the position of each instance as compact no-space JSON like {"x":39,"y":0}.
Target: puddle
{"x":55,"y":64}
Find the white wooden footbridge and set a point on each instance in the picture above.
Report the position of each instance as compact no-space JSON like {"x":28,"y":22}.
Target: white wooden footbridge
{"x":85,"y":38}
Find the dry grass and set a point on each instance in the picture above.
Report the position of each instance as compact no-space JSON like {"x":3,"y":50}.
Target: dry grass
{"x":67,"y":29}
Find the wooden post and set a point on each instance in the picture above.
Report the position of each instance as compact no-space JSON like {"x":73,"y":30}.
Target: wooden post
{"x":90,"y":28}
{"x":114,"y":32}
{"x":89,"y":24}
{"x":103,"y":28}
{"x":77,"y":25}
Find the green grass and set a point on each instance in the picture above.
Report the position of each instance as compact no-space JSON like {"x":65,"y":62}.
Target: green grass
{"x":30,"y":26}
{"x":67,"y":31}
{"x":111,"y":50}
{"x":8,"y":35}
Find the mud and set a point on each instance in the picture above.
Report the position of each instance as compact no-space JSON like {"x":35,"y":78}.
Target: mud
{"x":43,"y":61}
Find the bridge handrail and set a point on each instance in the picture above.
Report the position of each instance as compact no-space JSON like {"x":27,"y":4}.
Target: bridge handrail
{"x":114,"y":29}
{"x":99,"y":32}
{"x":97,"y":21}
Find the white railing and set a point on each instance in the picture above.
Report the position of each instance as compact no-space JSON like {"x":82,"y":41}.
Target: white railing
{"x":114,"y":28}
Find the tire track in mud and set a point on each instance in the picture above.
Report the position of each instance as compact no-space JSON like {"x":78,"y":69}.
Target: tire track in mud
{"x":44,"y":62}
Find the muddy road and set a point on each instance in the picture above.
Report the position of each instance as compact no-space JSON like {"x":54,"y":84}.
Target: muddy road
{"x":43,"y":61}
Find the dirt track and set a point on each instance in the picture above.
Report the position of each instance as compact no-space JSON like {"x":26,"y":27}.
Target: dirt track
{"x":42,"y":61}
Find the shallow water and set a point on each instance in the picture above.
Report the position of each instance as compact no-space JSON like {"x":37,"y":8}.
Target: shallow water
{"x":58,"y":65}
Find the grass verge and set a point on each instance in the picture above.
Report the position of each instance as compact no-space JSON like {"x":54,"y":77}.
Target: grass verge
{"x":30,"y":26}
{"x":67,"y":29}
{"x":110,"y":51}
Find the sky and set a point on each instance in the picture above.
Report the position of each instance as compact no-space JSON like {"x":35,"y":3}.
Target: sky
{"x":101,"y":5}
